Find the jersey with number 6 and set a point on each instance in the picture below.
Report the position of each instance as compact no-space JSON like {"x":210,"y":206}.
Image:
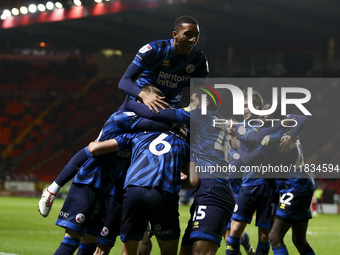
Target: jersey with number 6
{"x":157,"y":159}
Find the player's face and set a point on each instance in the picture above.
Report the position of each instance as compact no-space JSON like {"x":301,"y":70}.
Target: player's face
{"x":231,"y":127}
{"x":247,"y":113}
{"x":186,"y":38}
{"x":265,"y":107}
{"x":194,"y":102}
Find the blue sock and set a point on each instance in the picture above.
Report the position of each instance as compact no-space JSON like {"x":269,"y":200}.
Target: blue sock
{"x":245,"y":241}
{"x":68,"y":246}
{"x":262,"y":248}
{"x":233,"y":245}
{"x":72,"y":166}
{"x":280,"y":250}
{"x":311,"y":252}
{"x":87,"y":248}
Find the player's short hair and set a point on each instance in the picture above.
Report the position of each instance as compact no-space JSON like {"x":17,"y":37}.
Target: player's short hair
{"x":152,"y":89}
{"x":257,"y":98}
{"x":233,"y":119}
{"x":184,"y":19}
{"x":277,"y":113}
{"x":211,"y":105}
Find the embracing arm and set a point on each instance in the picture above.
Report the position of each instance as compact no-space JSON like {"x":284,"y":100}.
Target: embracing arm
{"x":247,"y":158}
{"x":288,"y":139}
{"x":99,"y":148}
{"x":301,"y":121}
{"x":256,"y":137}
{"x":167,"y":115}
{"x":151,"y":125}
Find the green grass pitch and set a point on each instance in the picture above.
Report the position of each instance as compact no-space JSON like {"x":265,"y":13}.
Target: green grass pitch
{"x":24,"y":231}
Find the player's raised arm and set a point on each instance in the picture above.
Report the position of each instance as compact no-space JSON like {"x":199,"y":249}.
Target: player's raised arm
{"x":127,"y":82}
{"x":256,"y":136}
{"x":99,"y":148}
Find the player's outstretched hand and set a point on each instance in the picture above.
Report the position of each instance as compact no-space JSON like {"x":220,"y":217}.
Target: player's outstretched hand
{"x":153,"y":101}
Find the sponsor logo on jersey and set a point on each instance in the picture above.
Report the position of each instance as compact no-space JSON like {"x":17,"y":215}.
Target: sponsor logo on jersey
{"x":265,"y":141}
{"x":80,"y":218}
{"x":190,"y":68}
{"x":171,"y":80}
{"x":196,"y":224}
{"x":145,"y":48}
{"x":166,"y":63}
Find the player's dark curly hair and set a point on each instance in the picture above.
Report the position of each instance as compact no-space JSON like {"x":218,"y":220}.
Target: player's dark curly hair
{"x":184,"y":19}
{"x":257,"y":99}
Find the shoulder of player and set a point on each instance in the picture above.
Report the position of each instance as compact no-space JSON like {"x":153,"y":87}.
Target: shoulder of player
{"x":159,"y":45}
{"x":242,"y":130}
{"x":124,"y":115}
{"x":199,"y":52}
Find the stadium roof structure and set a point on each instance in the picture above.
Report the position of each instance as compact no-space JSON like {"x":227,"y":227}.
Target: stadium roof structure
{"x":250,"y":25}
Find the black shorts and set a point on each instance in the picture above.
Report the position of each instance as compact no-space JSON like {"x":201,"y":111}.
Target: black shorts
{"x":142,"y":205}
{"x":210,"y":212}
{"x":84,"y":210}
{"x":112,"y":224}
{"x":295,"y":207}
{"x":260,"y":198}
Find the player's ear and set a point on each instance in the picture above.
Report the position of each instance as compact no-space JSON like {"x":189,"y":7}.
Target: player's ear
{"x":174,"y":34}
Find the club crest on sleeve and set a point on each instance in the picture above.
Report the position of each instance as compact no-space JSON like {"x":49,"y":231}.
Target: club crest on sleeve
{"x":145,"y":48}
{"x":241,"y":130}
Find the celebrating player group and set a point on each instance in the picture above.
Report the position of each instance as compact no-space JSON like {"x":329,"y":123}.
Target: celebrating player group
{"x":126,"y":183}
